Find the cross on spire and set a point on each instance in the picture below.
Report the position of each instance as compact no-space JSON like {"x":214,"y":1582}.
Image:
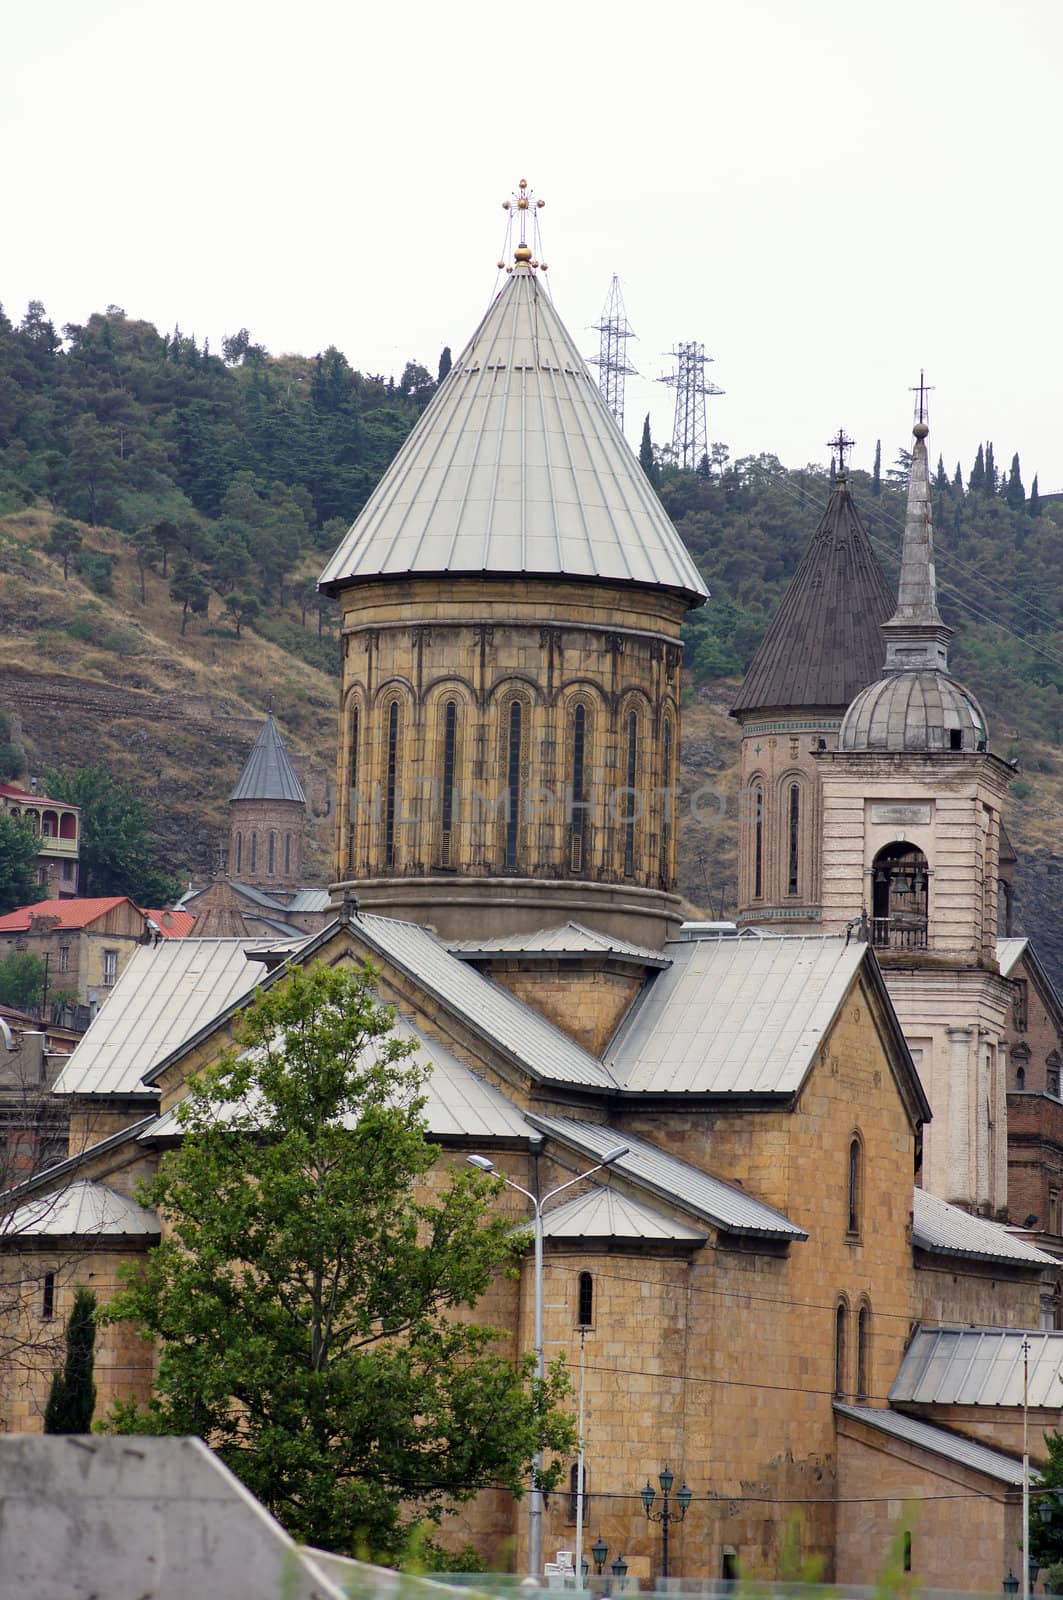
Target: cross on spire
{"x":841,"y":444}
{"x":921,"y":391}
{"x":521,"y":202}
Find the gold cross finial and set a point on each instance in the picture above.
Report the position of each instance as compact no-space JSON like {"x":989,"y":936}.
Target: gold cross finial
{"x":841,"y":444}
{"x":921,"y":391}
{"x":521,"y":204}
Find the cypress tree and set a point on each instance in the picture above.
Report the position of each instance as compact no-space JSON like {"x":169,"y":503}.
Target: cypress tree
{"x":990,"y":470}
{"x":1033,"y":504}
{"x":876,"y":470}
{"x":1014,"y":492}
{"x":941,"y":481}
{"x":73,"y":1394}
{"x":977,"y":479}
{"x":445,"y":363}
{"x":646,"y":461}
{"x":957,"y":483}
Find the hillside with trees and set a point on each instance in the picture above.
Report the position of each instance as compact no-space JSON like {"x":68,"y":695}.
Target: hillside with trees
{"x":165,"y":510}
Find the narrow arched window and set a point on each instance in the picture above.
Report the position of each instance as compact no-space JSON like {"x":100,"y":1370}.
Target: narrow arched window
{"x":287,"y":854}
{"x":586,"y":1300}
{"x":667,"y":800}
{"x":841,"y":1317}
{"x":353,"y":800}
{"x":450,"y":735}
{"x":254,"y":852}
{"x":579,"y":803}
{"x":854,"y":1185}
{"x":632,"y":772}
{"x":513,"y":754}
{"x":391,"y":785}
{"x":1020,"y":1077}
{"x":574,"y":1492}
{"x":271,"y":853}
{"x":239,"y":852}
{"x":863,"y":1350}
{"x":758,"y":842}
{"x":795,"y":833}
{"x":48,"y":1295}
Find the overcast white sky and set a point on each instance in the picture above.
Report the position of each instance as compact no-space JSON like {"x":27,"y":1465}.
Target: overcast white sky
{"x":827,"y":195}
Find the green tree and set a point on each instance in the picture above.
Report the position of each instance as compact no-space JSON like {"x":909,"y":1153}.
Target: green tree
{"x":1046,"y":1511}
{"x":18,"y":863}
{"x":63,"y":541}
{"x":976,"y":481}
{"x":167,"y":537}
{"x":72,"y":1398}
{"x":117,"y":849}
{"x":876,"y":471}
{"x":957,"y":482}
{"x":647,"y":460}
{"x":12,"y":755}
{"x":148,"y":550}
{"x":445,"y":364}
{"x":1033,"y":504}
{"x":21,"y":979}
{"x":990,"y":485}
{"x":242,"y":608}
{"x":188,"y":590}
{"x":304,"y":1297}
{"x":1014,"y":493}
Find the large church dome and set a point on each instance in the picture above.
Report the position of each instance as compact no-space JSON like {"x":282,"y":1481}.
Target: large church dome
{"x":914,"y":711}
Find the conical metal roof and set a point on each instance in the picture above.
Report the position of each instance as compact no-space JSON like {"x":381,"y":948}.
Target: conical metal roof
{"x":268,"y":774}
{"x":517,"y":466}
{"x":824,"y":643}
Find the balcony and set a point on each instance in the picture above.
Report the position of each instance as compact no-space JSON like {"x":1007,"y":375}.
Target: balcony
{"x":901,"y":931}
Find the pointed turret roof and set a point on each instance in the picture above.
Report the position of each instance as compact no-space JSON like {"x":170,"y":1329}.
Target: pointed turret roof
{"x":824,"y":643}
{"x":517,"y":466}
{"x":915,"y":634}
{"x":268,"y":774}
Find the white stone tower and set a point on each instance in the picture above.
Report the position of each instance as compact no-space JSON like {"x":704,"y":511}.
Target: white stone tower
{"x":911,"y":844}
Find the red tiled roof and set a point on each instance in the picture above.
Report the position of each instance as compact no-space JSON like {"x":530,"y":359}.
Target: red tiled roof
{"x":171,"y":924}
{"x":72,"y":913}
{"x":14,"y":791}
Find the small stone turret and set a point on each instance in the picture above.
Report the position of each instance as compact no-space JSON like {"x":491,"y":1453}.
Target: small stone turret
{"x":267,"y":815}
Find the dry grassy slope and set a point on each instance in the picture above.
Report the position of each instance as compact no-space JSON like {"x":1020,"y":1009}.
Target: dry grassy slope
{"x":174,"y":715}
{"x":177,"y":716}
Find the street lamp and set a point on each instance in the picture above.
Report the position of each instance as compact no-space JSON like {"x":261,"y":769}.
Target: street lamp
{"x":620,"y":1573}
{"x":535,"y":1496}
{"x":1010,"y":1584}
{"x":599,"y":1551}
{"x":666,"y":1479}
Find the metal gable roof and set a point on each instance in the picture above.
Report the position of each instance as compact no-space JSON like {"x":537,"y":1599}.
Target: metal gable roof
{"x":496,"y":1014}
{"x":949,"y":1231}
{"x":735,"y":1016}
{"x":722,"y":1204}
{"x":1008,"y":952}
{"x":980,"y":1367}
{"x":517,"y":466}
{"x":166,"y":993}
{"x":910,"y":1430}
{"x":568,"y":938}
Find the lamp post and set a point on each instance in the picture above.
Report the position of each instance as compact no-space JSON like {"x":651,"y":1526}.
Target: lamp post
{"x":620,"y":1573}
{"x":535,"y":1496}
{"x":599,"y":1551}
{"x":666,"y":1515}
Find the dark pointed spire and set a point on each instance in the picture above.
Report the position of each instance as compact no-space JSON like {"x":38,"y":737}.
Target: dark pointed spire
{"x":824,"y":643}
{"x":268,"y":774}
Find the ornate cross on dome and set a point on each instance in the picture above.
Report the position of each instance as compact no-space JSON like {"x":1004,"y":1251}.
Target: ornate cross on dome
{"x":841,"y":444}
{"x":521,"y":202}
{"x":921,"y":391}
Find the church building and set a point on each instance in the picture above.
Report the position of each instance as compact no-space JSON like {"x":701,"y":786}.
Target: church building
{"x":760,"y":1295}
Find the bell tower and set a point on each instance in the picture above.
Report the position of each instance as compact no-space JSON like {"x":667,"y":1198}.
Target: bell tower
{"x":912,"y":801}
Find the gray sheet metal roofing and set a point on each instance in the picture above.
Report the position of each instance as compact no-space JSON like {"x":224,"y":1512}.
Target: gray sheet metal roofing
{"x":568,"y":938}
{"x":268,"y":774}
{"x":83,"y":1209}
{"x":910,"y":1430}
{"x":949,"y":1231}
{"x":458,"y":1103}
{"x":604,"y":1213}
{"x":497,"y":1015}
{"x":1008,"y":952}
{"x":517,"y":466}
{"x":824,"y":644}
{"x":165,"y":995}
{"x":735,"y":1016}
{"x":676,"y":1181}
{"x":979,"y":1367}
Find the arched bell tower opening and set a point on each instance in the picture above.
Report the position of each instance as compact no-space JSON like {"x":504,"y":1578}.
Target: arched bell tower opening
{"x":900,"y":898}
